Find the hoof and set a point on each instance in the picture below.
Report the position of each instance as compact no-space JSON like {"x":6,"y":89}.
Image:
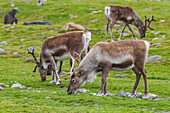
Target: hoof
{"x":118,"y":39}
{"x":112,"y":40}
{"x":52,"y":81}
{"x":58,"y":82}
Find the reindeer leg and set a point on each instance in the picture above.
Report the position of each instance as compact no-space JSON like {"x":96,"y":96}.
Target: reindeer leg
{"x":122,"y":32}
{"x":138,"y":76}
{"x":131,"y":32}
{"x":105,"y":72}
{"x":145,"y":80}
{"x":53,"y":79}
{"x":54,"y":68}
{"x":59,"y":71}
{"x":111,"y":26}
{"x":107,"y":26}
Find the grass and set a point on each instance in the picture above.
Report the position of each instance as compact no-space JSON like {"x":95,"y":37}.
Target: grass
{"x":13,"y":67}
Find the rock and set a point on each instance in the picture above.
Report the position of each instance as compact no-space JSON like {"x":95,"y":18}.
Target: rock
{"x":92,"y":94}
{"x":125,"y":34}
{"x":82,"y":91}
{"x":40,"y":33}
{"x":72,"y":26}
{"x":119,"y":76}
{"x":95,"y":105}
{"x":2,"y":51}
{"x":15,"y":53}
{"x":22,"y":47}
{"x":29,"y":59}
{"x":154,"y":58}
{"x":156,"y":44}
{"x":115,"y":25}
{"x":1,"y":88}
{"x":47,"y":97}
{"x":17,"y":85}
{"x":1,"y":84}
{"x":112,"y":95}
{"x":168,"y":60}
{"x":7,"y":86}
{"x":128,"y":94}
{"x":152,"y":96}
{"x":121,"y":94}
{"x":157,"y":39}
{"x":76,"y":104}
{"x":22,"y":40}
{"x":3,"y":43}
{"x":156,"y":33}
{"x":1,"y":12}
{"x":64,"y":91}
{"x":7,"y":51}
{"x":138,"y":95}
{"x":162,"y":21}
{"x":160,"y":99}
{"x":91,"y":9}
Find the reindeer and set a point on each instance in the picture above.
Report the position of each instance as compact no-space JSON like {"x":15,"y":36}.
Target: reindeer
{"x":54,"y":49}
{"x":128,"y":16}
{"x":115,"y":56}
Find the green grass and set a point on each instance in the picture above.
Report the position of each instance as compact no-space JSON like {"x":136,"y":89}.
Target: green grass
{"x":15,"y":68}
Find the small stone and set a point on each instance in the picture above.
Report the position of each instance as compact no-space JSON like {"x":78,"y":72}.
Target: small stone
{"x":22,"y":47}
{"x":3,"y":43}
{"x":40,"y":33}
{"x":95,"y":105}
{"x":16,"y":85}
{"x":47,"y":97}
{"x":76,"y":104}
{"x":2,"y":51}
{"x":1,"y":88}
{"x":157,"y":39}
{"x":38,"y":91}
{"x":55,"y":29}
{"x":161,"y":99}
{"x":94,"y":20}
{"x":116,"y":25}
{"x":92,"y":94}
{"x":154,"y":58}
{"x":29,"y":59}
{"x":152,"y":96}
{"x":156,"y":44}
{"x":128,"y":94}
{"x":119,"y":76}
{"x":4,"y":27}
{"x":82,"y":90}
{"x":7,"y":52}
{"x":1,"y":12}
{"x":64,"y":91}
{"x":7,"y":86}
{"x":162,"y":21}
{"x":125,"y":34}
{"x":54,"y":92}
{"x":121,"y":94}
{"x":15,"y":53}
{"x":91,"y":9}
{"x":22,"y":40}
{"x":112,"y":95}
{"x":138,"y":95}
{"x":168,"y":60}
{"x":29,"y":88}
{"x":31,"y":48}
{"x":1,"y":84}
{"x":22,"y":86}
{"x":156,"y":33}
{"x":25,"y":98}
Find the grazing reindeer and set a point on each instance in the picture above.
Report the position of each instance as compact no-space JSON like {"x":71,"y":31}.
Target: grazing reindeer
{"x":10,"y":17}
{"x":115,"y":56}
{"x":128,"y":16}
{"x":54,"y":49}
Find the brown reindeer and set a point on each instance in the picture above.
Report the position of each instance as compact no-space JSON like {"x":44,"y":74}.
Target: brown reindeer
{"x":54,"y":49}
{"x":115,"y":56}
{"x":128,"y":16}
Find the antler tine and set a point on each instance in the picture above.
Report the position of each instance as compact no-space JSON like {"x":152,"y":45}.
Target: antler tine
{"x":35,"y":68}
{"x":79,"y":57}
{"x":149,"y":22}
{"x":32,"y":53}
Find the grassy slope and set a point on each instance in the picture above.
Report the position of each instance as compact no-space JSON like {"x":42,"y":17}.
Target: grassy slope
{"x":17,"y":69}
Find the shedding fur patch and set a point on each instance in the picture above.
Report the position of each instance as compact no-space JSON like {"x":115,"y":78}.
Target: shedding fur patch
{"x":107,"y":11}
{"x":147,"y":49}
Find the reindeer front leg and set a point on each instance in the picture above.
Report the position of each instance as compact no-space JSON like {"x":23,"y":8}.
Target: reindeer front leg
{"x":54,"y":68}
{"x":131,"y":32}
{"x":122,"y":32}
{"x":103,"y":90}
{"x":138,"y":76}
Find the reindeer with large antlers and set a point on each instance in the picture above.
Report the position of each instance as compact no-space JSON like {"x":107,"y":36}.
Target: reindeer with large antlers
{"x":128,"y":16}
{"x":55,"y":49}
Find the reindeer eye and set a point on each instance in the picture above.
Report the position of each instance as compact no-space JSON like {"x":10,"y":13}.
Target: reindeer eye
{"x":73,"y":80}
{"x":80,"y":72}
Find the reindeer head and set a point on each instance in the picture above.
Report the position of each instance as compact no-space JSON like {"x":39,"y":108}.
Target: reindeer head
{"x":78,"y":78}
{"x":143,"y":26}
{"x":43,"y":72}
